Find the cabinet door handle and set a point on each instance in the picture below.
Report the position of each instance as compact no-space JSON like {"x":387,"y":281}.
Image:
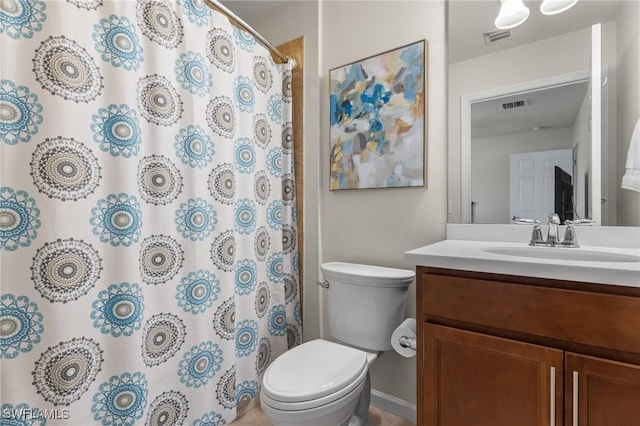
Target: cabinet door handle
{"x":575,"y":398}
{"x":552,"y":396}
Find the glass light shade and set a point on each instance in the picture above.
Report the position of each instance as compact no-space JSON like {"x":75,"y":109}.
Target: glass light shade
{"x":512,"y":13}
{"x":553,"y":7}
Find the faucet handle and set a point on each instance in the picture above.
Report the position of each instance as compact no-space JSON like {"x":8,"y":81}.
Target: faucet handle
{"x":536,"y":235}
{"x":570,"y":237}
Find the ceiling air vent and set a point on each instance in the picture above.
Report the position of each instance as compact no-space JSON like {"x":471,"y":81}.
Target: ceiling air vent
{"x":515,"y":104}
{"x":495,"y":36}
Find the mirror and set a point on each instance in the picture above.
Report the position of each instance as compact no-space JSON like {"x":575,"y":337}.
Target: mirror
{"x":522,"y":97}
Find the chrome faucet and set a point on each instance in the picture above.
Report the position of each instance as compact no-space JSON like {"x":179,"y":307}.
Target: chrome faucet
{"x":553,"y":238}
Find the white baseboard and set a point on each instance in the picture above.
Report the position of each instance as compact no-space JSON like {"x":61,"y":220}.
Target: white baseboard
{"x":394,"y":405}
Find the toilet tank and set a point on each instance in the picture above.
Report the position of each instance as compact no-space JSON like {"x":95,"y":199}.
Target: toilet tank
{"x":365,"y":303}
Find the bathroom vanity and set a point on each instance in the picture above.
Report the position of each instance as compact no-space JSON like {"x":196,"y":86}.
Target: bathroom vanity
{"x":530,"y":346}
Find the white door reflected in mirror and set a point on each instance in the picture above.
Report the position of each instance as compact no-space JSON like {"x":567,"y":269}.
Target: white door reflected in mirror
{"x":532,"y":183}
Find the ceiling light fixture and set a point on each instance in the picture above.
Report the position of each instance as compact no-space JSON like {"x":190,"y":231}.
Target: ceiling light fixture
{"x":512,"y":13}
{"x":553,"y":7}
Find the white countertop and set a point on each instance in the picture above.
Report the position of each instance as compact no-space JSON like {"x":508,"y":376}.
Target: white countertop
{"x":470,"y":255}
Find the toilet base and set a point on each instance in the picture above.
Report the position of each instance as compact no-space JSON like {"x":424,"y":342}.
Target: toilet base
{"x":344,"y":412}
{"x":361,"y":414}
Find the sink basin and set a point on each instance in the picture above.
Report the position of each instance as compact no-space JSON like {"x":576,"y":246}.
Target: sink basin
{"x":563,"y":253}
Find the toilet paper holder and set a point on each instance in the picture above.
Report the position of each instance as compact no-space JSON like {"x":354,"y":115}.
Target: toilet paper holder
{"x":404,"y":340}
{"x":408,"y":342}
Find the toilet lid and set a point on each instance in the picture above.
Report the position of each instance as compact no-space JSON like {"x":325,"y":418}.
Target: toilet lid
{"x":312,"y":370}
{"x":368,"y":275}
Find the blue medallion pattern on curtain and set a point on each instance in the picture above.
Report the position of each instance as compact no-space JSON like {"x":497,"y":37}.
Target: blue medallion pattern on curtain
{"x":147,"y":213}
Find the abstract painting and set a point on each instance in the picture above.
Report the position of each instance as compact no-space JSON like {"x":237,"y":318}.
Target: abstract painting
{"x":377,"y":115}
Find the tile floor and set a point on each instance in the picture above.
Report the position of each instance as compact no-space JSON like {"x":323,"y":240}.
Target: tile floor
{"x":255,"y":417}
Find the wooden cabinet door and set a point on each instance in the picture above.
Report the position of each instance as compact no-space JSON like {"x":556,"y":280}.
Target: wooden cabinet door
{"x":601,"y":392}
{"x":480,"y":380}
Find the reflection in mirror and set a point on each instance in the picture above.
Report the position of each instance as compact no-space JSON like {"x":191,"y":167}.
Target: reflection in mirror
{"x":548,"y":51}
{"x":526,"y":148}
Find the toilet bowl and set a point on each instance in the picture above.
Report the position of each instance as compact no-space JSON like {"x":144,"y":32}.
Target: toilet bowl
{"x":326,"y":383}
{"x":319,"y":383}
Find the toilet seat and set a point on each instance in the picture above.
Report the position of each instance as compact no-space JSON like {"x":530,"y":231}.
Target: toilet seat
{"x":313,"y":374}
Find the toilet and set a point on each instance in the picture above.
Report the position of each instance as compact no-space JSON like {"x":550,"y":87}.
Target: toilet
{"x":326,"y":383}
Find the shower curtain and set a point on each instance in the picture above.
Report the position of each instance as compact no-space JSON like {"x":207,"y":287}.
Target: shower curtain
{"x":148,"y":252}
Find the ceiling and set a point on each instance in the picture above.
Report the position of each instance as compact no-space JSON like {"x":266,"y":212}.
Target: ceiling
{"x":470,"y":19}
{"x":550,"y":108}
{"x":251,"y":10}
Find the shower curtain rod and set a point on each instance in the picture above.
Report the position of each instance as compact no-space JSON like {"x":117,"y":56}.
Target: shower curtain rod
{"x":215,"y":4}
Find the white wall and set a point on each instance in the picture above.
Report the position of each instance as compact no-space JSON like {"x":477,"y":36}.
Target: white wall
{"x":490,"y":168}
{"x":629,"y":104}
{"x":377,"y":226}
